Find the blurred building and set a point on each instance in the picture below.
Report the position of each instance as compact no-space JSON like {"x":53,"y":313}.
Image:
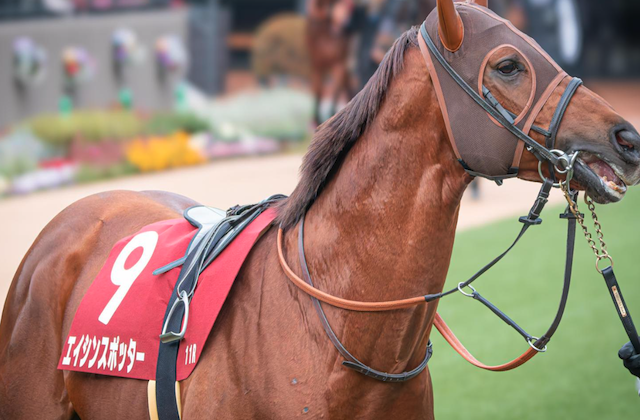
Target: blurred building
{"x":590,"y":38}
{"x":217,"y":37}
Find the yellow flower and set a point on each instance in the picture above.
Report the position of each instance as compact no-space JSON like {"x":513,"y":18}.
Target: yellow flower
{"x":159,"y":153}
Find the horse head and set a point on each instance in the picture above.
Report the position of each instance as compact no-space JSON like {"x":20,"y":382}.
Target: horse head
{"x":498,"y":61}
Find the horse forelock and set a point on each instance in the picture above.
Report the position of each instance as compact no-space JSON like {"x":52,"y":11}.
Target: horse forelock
{"x":334,"y":138}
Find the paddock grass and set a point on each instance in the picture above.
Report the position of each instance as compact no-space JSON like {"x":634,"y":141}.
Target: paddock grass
{"x":580,"y":376}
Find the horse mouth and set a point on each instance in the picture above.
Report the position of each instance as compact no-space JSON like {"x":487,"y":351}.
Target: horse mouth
{"x":601,"y":180}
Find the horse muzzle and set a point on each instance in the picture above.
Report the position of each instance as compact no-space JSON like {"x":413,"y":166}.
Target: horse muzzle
{"x":606,"y":173}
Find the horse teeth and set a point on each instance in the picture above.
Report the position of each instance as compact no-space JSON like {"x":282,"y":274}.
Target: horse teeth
{"x":614,"y":186}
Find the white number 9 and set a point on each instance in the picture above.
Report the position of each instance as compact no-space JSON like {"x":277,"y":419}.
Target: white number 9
{"x":120,"y":276}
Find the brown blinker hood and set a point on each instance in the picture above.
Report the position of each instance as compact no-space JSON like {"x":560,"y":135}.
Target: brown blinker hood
{"x":484,"y":147}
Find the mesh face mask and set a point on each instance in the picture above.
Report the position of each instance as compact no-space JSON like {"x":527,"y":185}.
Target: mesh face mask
{"x":483,"y":146}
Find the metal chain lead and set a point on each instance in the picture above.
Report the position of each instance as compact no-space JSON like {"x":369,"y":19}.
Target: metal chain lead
{"x":601,"y":253}
{"x":596,"y":223}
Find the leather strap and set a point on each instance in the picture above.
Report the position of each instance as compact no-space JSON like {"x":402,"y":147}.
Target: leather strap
{"x":351,"y":305}
{"x":540,"y":343}
{"x":450,"y":337}
{"x":537,"y":149}
{"x":317,"y":295}
{"x":568,"y":268}
{"x":351,"y":361}
{"x":621,"y":307}
{"x":554,"y":125}
{"x":507,"y":320}
{"x":565,"y":99}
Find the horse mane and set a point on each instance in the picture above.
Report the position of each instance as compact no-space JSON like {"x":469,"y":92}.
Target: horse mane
{"x":334,"y":138}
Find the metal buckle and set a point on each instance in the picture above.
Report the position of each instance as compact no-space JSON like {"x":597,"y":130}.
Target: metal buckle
{"x":168,"y":337}
{"x":531,"y":340}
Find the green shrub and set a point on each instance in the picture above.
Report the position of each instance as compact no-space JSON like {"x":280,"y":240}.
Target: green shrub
{"x":116,"y":125}
{"x":91,"y":173}
{"x":90,"y":126}
{"x":172,"y":122}
{"x":20,"y":152}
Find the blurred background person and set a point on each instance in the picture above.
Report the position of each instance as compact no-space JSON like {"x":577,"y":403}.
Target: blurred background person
{"x":378,"y":24}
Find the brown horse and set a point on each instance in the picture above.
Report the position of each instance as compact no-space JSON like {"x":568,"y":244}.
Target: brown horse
{"x":382,"y":187}
{"x":329,"y":44}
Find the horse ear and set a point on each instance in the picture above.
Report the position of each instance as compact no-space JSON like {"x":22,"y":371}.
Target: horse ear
{"x":449,"y":25}
{"x":483,"y":3}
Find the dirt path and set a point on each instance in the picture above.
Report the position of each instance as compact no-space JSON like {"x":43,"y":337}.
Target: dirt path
{"x":219,"y":184}
{"x":223,"y":184}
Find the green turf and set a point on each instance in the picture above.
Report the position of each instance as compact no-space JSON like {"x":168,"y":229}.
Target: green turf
{"x":580,"y":376}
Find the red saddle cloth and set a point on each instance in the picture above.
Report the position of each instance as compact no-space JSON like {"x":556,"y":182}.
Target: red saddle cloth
{"x":118,"y":323}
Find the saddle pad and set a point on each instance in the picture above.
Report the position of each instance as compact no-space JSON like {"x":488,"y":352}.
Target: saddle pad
{"x":116,"y":328}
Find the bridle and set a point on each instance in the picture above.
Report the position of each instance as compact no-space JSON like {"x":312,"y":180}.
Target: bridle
{"x":558,"y":161}
{"x":557,"y":158}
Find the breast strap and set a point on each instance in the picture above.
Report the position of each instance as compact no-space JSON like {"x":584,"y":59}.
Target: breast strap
{"x":536,"y":345}
{"x":352,"y":362}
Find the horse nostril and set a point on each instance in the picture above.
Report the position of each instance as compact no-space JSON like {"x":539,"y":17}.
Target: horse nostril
{"x":628,"y":140}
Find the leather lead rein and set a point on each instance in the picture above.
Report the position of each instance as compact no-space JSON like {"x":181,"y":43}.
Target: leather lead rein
{"x":536,"y":345}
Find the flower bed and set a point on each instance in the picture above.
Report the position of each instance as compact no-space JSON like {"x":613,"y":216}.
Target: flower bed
{"x":54,"y":150}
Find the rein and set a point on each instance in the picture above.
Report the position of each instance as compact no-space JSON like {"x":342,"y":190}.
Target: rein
{"x":558,"y":161}
{"x":537,"y":345}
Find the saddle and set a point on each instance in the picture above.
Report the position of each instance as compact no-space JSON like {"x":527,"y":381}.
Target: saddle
{"x":216,"y":230}
{"x":142,"y":322}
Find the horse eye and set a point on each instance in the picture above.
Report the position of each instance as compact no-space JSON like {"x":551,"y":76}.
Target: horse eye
{"x":508,"y":68}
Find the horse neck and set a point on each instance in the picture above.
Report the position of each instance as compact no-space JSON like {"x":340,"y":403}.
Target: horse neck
{"x":383,"y":227}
